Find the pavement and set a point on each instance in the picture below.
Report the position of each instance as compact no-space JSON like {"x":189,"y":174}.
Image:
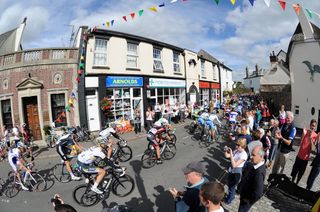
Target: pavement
{"x":150,"y":193}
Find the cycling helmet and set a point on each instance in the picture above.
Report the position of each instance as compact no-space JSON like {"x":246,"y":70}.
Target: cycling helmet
{"x":72,"y":130}
{"x":24,"y":125}
{"x":21,"y":145}
{"x":113,"y":125}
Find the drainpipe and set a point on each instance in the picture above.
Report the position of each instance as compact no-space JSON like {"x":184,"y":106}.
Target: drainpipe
{"x":219,"y":70}
{"x":185,"y":76}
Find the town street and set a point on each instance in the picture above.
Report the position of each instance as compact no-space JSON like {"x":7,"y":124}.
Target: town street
{"x":151,"y":185}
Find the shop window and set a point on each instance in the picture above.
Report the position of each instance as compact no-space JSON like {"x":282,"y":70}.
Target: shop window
{"x":157,"y":64}
{"x":6,"y":113}
{"x":132,"y":55}
{"x":160,"y":100}
{"x":100,"y":52}
{"x":172,"y":91}
{"x":166,"y":91}
{"x":312,"y":111}
{"x":57,"y":108}
{"x":160,"y":91}
{"x":136,"y":92}
{"x":176,"y":63}
{"x":152,"y":92}
{"x":296,"y":110}
{"x":203,"y":71}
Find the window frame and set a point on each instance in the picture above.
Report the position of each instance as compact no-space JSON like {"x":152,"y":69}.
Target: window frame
{"x":176,"y":63}
{"x":214,"y":72}
{"x":133,"y":54}
{"x":62,"y":108}
{"x":100,"y":52}
{"x":157,"y":60}
{"x":203,"y":70}
{"x":10,"y":125}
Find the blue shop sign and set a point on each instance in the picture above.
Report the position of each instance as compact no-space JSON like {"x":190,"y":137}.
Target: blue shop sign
{"x":114,"y":81}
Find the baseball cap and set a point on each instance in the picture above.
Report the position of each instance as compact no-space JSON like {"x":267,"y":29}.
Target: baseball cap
{"x":194,"y":167}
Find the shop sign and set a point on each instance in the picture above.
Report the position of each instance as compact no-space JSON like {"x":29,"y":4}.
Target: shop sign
{"x":166,"y":83}
{"x":204,"y":85}
{"x":114,"y":81}
{"x":215,"y":85}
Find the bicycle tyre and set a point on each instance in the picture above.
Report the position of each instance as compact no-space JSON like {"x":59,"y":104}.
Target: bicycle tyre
{"x":37,"y":182}
{"x":122,"y":182}
{"x":12,"y":190}
{"x":86,"y":197}
{"x":61,"y":174}
{"x":148,"y":159}
{"x":173,"y":138}
{"x":169,"y":152}
{"x":124,"y":153}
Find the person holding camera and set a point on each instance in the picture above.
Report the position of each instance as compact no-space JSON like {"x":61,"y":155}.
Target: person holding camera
{"x":60,"y":206}
{"x":238,"y":157}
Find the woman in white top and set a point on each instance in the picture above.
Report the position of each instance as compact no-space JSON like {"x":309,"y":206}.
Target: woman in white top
{"x":149,"y":118}
{"x":237,"y":158}
{"x":282,"y":116}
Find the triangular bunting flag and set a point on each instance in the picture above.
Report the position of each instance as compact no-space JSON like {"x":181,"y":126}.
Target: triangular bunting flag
{"x":296,"y":7}
{"x":78,"y":79}
{"x":112,"y":22}
{"x":251,"y":2}
{"x":282,"y":4}
{"x":132,"y":15}
{"x":124,"y":18}
{"x":79,"y":71}
{"x":162,"y":5}
{"x":153,"y":9}
{"x":309,"y":13}
{"x":63,"y":114}
{"x":81,"y":66}
{"x":82,"y":58}
{"x":173,"y":1}
{"x":108,"y":24}
{"x":73,"y":94}
{"x":140,"y":12}
{"x":68,"y":108}
{"x":217,"y":1}
{"x":94,"y":29}
{"x":59,"y":120}
{"x":233,"y":2}
{"x":267,"y":2}
{"x":70,"y":101}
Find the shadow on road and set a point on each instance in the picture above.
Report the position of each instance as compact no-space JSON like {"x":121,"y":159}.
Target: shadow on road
{"x":163,"y":200}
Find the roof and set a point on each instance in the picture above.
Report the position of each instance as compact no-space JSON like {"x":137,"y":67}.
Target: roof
{"x":104,"y":32}
{"x":7,"y":42}
{"x":205,"y":55}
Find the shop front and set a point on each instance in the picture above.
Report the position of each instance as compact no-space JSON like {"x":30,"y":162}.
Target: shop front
{"x":204,"y":91}
{"x":215,"y":91}
{"x":125,"y":94}
{"x":166,"y":91}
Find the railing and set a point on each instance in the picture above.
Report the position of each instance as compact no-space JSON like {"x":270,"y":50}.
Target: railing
{"x":58,"y":54}
{"x":8,"y":59}
{"x":32,"y":56}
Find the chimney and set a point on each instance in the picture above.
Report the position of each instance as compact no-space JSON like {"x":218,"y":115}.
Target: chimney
{"x":257,"y":69}
{"x":247,"y":72}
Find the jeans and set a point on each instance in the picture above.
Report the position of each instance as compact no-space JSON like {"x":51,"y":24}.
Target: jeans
{"x":312,"y":176}
{"x":149,"y":124}
{"x":233,"y":181}
{"x":137,"y":128}
{"x":182,"y":116}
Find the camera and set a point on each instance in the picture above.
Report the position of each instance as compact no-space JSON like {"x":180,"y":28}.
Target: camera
{"x":226,"y":149}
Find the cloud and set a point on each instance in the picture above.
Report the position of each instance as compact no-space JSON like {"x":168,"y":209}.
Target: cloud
{"x":218,"y":27}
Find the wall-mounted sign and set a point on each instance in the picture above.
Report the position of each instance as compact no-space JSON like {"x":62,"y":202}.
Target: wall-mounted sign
{"x":166,"y":83}
{"x":312,"y":69}
{"x":120,"y":81}
{"x":215,"y":85}
{"x":204,"y":84}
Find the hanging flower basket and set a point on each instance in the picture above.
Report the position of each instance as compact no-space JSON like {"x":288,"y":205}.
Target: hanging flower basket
{"x":105,"y":105}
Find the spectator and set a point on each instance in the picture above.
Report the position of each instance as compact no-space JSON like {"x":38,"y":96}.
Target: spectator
{"x":157,"y":110}
{"x":205,"y":105}
{"x":169,"y":112}
{"x":211,"y":195}
{"x":189,"y":199}
{"x":211,"y":107}
{"x":59,"y":205}
{"x":176,"y":113}
{"x":266,"y":143}
{"x":286,"y":137}
{"x":16,"y":135}
{"x":274,"y":141}
{"x":256,"y":136}
{"x":315,"y":170}
{"x":244,"y":134}
{"x":6,"y":136}
{"x":237,"y":160}
{"x":137,"y":121}
{"x":282,"y":116}
{"x":251,"y":186}
{"x":250,"y":116}
{"x":149,"y":118}
{"x":308,"y":138}
{"x":182,"y":111}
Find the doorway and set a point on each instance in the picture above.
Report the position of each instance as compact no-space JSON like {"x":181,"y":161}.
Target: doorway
{"x":31,"y":116}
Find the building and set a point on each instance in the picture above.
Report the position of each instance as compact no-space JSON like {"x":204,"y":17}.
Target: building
{"x":253,"y":79}
{"x":304,"y":65}
{"x":275,"y":85}
{"x":226,"y":80}
{"x":135,"y":72}
{"x":35,"y":84}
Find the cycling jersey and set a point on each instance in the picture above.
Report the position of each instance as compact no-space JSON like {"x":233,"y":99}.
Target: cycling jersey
{"x":86,"y":159}
{"x":161,"y":122}
{"x":152,"y":137}
{"x":233,"y":117}
{"x":64,"y":144}
{"x":209,"y":122}
{"x":200,"y":120}
{"x":13,"y":157}
{"x":205,"y":116}
{"x":214,"y":117}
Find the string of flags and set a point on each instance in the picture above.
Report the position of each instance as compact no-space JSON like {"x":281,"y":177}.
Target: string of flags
{"x":133,"y":15}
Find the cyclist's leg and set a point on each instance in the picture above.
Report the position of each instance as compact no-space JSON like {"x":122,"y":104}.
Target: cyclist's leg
{"x":109,"y":145}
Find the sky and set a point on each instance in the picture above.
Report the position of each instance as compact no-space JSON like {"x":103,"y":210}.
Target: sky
{"x":238,"y":35}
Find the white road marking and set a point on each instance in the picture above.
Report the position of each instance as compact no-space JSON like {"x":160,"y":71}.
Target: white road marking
{"x":186,"y":137}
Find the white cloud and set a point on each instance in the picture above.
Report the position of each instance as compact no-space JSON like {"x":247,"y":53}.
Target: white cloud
{"x":218,"y":27}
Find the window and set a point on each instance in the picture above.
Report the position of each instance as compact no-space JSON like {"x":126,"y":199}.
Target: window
{"x":57,"y":108}
{"x":214,"y":71}
{"x":132,"y":55}
{"x":176,"y":63}
{"x":296,"y":110}
{"x":6,"y":113}
{"x":100,"y":52}
{"x":203,"y":71}
{"x":157,"y":64}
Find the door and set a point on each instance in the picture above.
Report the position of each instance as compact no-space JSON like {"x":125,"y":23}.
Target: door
{"x":137,"y":102}
{"x":30,"y":105}
{"x":93,"y":113}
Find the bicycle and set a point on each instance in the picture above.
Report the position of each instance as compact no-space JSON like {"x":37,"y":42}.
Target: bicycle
{"x":206,"y":140}
{"x":31,"y":180}
{"x":168,"y":151}
{"x":52,"y":139}
{"x":112,"y":182}
{"x":122,"y":151}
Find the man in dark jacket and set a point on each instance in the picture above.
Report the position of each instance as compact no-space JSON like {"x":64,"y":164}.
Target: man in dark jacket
{"x":251,"y":186}
{"x":188,"y":200}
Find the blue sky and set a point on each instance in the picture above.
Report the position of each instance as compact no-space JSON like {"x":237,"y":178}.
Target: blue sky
{"x":239,"y":35}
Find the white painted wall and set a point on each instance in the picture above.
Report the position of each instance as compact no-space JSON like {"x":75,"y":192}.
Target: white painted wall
{"x":253,"y":83}
{"x":192,"y":71}
{"x":226,"y":79}
{"x":305,"y":93}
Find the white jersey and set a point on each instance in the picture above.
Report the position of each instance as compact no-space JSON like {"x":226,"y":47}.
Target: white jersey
{"x":205,"y":116}
{"x":107,"y":132}
{"x":14,"y":153}
{"x":233,"y":116}
{"x":88,"y":156}
{"x":213,"y":117}
{"x":161,"y":122}
{"x":15,"y":132}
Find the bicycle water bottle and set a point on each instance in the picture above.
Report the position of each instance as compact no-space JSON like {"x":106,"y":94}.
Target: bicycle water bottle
{"x":105,"y":182}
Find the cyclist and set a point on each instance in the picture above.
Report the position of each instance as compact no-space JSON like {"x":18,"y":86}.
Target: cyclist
{"x":202,"y":119}
{"x":105,"y":134}
{"x":153,"y":138}
{"x":87,"y":161}
{"x":162,"y":125}
{"x":233,"y":118}
{"x":15,"y":158}
{"x":27,"y":139}
{"x":210,"y":123}
{"x":64,"y":148}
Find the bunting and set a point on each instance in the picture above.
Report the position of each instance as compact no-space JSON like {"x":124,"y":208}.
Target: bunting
{"x":124,"y":18}
{"x":296,"y":7}
{"x":217,"y":1}
{"x":173,"y":1}
{"x":233,"y":2}
{"x":132,"y":15}
{"x":267,"y":2}
{"x":282,"y":4}
{"x":162,"y":5}
{"x":140,"y":12}
{"x":108,"y":24}
{"x":112,"y":22}
{"x":251,"y":2}
{"x":309,"y":13}
{"x":153,"y":9}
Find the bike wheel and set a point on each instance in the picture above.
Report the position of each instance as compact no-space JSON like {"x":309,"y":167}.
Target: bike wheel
{"x":12,"y":190}
{"x":169,"y":152}
{"x":61,"y":174}
{"x":173,"y":138}
{"x":83,"y":195}
{"x":124,"y":153}
{"x":37,"y":182}
{"x":148,"y":159}
{"x":123,"y":186}
{"x":52,"y":141}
